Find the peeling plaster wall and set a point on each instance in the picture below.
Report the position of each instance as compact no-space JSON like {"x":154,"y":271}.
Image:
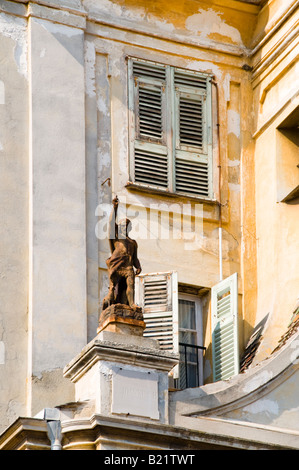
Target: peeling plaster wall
{"x":69,"y":138}
{"x":198,"y":22}
{"x":131,"y":28}
{"x":72,"y":136}
{"x":280,"y":406}
{"x":264,"y":395}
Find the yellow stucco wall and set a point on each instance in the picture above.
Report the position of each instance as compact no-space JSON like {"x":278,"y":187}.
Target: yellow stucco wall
{"x":275,"y":97}
{"x":260,"y":241}
{"x":210,"y":37}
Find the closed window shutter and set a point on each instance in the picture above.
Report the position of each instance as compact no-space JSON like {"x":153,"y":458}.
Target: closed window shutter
{"x":150,"y":112}
{"x":193,"y":146}
{"x":170,"y":123}
{"x":157,"y":294}
{"x":149,"y":152}
{"x":225,"y":328}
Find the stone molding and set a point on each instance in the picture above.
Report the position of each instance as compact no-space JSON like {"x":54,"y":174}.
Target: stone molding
{"x":103,"y":432}
{"x":220,"y":397}
{"x":126,"y":349}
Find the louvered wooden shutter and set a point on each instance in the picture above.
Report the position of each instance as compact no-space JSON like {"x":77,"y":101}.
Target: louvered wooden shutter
{"x":147,"y":104}
{"x":170,"y":123}
{"x":157,"y":294}
{"x":193,"y":147}
{"x":225,"y":328}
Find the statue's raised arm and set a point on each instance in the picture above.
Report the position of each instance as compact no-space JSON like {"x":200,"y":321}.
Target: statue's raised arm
{"x":112,"y":225}
{"x":122,"y":261}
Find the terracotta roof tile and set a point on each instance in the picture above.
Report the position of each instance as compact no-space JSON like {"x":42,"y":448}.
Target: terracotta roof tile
{"x":292,"y":329}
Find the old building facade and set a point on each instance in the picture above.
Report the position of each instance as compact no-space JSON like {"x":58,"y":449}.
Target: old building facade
{"x":188,"y":112}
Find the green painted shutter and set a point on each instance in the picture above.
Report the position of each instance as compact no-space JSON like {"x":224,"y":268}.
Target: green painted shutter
{"x":225,"y":328}
{"x":157,"y":294}
{"x":147,"y":115}
{"x":170,"y":128}
{"x":193,"y":135}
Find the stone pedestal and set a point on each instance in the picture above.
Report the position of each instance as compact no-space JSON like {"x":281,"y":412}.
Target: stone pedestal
{"x":120,"y":318}
{"x":123,"y":373}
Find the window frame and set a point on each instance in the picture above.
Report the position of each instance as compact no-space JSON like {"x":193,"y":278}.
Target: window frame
{"x":287,"y":162}
{"x":170,"y":145}
{"x":198,"y":330}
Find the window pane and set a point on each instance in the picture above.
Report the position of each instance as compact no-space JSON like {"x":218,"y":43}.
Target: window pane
{"x":188,"y":371}
{"x":187,"y":314}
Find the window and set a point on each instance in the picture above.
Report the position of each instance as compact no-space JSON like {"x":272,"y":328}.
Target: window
{"x":225,"y":328}
{"x":170,"y":129}
{"x":175,"y":320}
{"x":190,"y":342}
{"x":287,"y":159}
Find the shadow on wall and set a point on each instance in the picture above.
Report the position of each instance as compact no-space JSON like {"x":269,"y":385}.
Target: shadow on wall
{"x":253,"y":344}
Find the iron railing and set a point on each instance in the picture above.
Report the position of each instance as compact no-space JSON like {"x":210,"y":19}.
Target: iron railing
{"x":189,"y":365}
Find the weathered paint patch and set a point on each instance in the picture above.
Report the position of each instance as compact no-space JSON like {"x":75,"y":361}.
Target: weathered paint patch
{"x":90,"y":59}
{"x":209,"y":22}
{"x":257,"y":381}
{"x":16,"y":29}
{"x":265,"y":405}
{"x":164,"y":25}
{"x":233,"y":123}
{"x":234,"y":187}
{"x":205,"y":66}
{"x":233,"y":163}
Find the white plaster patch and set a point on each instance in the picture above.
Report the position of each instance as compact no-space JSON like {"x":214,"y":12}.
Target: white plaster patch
{"x":102,"y":105}
{"x":234,"y":187}
{"x":163,"y":25}
{"x":233,"y":163}
{"x":90,"y":59}
{"x":105,"y":159}
{"x":206,"y":22}
{"x":105,"y":371}
{"x":263,"y":406}
{"x":16,"y":29}
{"x":117,"y":60}
{"x":205,"y":67}
{"x":257,"y":381}
{"x":233,"y":123}
{"x":42,"y":53}
{"x":104,"y":5}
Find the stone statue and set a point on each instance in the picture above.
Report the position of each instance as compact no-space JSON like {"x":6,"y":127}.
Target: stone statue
{"x":121,"y":263}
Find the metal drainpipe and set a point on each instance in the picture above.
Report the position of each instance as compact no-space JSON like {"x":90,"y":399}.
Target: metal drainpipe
{"x":52,"y":418}
{"x":54,"y":433}
{"x":219,"y":168}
